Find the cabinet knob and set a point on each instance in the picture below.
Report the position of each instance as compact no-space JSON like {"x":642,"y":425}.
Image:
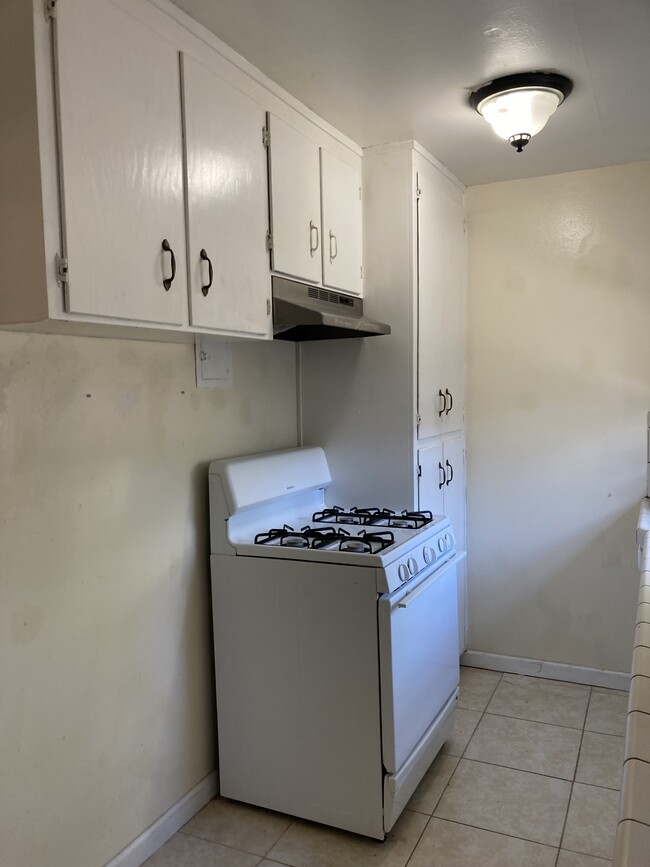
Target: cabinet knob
{"x":313,"y":230}
{"x":167,"y":282}
{"x":205,"y":258}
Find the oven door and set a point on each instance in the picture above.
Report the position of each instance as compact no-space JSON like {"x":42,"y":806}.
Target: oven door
{"x":418,"y":648}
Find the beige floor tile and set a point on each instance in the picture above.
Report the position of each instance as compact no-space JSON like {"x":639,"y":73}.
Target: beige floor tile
{"x":591,"y":822}
{"x":601,"y":760}
{"x":185,"y":851}
{"x":574,"y":859}
{"x":306,"y":844}
{"x":541,"y":700}
{"x":525,"y":745}
{"x":428,"y":793}
{"x":465,"y":721}
{"x":515,"y":803}
{"x":238,"y":825}
{"x":607,"y":711}
{"x":476,"y":687}
{"x":447,"y":844}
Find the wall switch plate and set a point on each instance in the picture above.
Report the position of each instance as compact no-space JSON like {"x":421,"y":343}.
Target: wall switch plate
{"x":213,"y":362}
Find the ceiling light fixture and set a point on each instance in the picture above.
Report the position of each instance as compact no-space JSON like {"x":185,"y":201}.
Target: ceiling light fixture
{"x":518,"y":106}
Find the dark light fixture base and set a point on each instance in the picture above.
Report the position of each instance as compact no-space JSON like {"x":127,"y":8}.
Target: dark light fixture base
{"x":519,"y":141}
{"x":521,"y":80}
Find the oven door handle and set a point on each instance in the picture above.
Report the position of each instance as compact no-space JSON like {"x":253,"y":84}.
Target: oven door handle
{"x":412,"y":595}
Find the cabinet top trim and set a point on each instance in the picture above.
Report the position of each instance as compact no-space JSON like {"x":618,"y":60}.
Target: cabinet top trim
{"x":245,"y":66}
{"x":416,"y":147}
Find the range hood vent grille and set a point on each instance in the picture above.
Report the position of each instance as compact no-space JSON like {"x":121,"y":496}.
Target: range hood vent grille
{"x":332,"y":297}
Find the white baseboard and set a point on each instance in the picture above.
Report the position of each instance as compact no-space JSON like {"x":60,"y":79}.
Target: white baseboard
{"x":151,"y":839}
{"x":551,"y":670}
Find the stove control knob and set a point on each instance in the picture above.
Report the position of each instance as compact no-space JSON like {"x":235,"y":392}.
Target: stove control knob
{"x":442,"y":547}
{"x":428,"y":554}
{"x":448,"y":540}
{"x":413,"y":565}
{"x":403,"y":572}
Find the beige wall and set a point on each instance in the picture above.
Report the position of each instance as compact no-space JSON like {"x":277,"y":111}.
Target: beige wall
{"x":558,"y":390}
{"x":106,"y":704}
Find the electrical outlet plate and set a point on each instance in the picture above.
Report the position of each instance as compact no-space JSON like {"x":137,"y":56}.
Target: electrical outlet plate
{"x":213,"y":362}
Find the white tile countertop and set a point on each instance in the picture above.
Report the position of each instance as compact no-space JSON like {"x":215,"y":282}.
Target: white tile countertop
{"x":633,"y":835}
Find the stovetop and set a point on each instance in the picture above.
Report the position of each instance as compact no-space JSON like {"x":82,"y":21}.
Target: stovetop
{"x":273,"y":506}
{"x":373,"y":538}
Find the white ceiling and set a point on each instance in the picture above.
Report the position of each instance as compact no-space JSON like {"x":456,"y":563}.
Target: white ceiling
{"x":388,"y":70}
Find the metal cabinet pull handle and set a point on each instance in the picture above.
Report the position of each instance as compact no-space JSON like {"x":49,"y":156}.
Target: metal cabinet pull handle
{"x":313,"y":247}
{"x":449,"y":395}
{"x":334,"y":254}
{"x":450,"y":474}
{"x":204,"y":256}
{"x":443,"y":476}
{"x":443,"y":402}
{"x":167,"y":282}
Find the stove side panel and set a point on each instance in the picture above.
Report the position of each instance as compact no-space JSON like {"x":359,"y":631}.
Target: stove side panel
{"x":297,"y":677}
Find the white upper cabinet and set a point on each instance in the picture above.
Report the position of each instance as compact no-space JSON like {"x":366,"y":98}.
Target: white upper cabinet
{"x":295,"y":202}
{"x":227,"y":205}
{"x":121,"y":165}
{"x":137,"y":152}
{"x":341,"y":220}
{"x":441,"y":287}
{"x":315,"y":211}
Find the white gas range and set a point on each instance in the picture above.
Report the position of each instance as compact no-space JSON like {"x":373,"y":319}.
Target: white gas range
{"x":336,"y":643}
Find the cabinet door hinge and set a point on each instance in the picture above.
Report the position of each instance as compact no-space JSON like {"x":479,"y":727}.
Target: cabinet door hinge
{"x":360,"y":194}
{"x":266,"y":136}
{"x":61,"y":265}
{"x":269,"y":241}
{"x":418,"y":192}
{"x":361,"y":271}
{"x":419,"y":471}
{"x":50,"y":9}
{"x":418,"y":419}
{"x":268,"y":306}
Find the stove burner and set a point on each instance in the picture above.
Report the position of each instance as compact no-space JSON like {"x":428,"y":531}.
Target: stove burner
{"x":328,"y":538}
{"x":373,"y":516}
{"x":368,"y":543}
{"x":337,"y":515}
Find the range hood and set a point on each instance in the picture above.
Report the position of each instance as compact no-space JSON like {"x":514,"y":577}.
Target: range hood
{"x":303,"y":312}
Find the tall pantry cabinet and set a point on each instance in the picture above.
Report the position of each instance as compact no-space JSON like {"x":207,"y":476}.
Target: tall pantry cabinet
{"x":389,"y":411}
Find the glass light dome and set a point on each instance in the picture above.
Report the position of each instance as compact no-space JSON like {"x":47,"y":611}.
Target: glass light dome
{"x":517,"y":112}
{"x":518,"y":106}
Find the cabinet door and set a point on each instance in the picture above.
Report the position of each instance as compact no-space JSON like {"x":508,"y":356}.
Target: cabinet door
{"x":341,"y":221}
{"x":441,"y":268}
{"x":453,"y":453}
{"x":295,"y":202}
{"x":453,"y":310}
{"x":226,"y":204}
{"x":441,"y":483}
{"x":121,"y":165}
{"x":431,"y":479}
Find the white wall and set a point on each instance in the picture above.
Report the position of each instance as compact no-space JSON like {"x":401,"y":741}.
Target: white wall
{"x":106,"y":680}
{"x":558,"y":390}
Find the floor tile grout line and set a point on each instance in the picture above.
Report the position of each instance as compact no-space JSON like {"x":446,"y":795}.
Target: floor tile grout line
{"x":492,"y":831}
{"x":421,"y":835}
{"x":196,"y":836}
{"x":526,"y":771}
{"x":575,"y":771}
{"x":543,"y":722}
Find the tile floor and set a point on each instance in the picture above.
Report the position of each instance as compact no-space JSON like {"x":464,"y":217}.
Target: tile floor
{"x":529,"y":778}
